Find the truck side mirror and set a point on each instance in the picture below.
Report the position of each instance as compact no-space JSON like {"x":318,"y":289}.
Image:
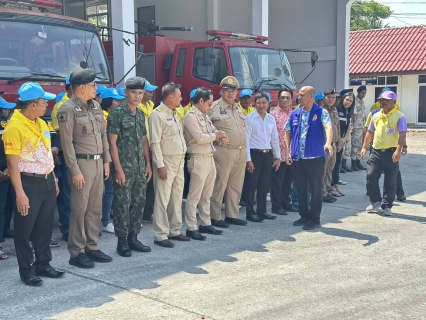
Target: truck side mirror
{"x":314,"y":58}
{"x":208,"y":56}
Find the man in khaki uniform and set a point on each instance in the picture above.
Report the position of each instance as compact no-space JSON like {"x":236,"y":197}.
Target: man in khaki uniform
{"x":86,"y":152}
{"x":168,"y":156}
{"x":230,"y":160}
{"x":330,"y":160}
{"x":199,"y":136}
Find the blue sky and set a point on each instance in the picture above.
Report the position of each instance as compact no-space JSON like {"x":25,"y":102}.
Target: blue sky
{"x":406,"y":6}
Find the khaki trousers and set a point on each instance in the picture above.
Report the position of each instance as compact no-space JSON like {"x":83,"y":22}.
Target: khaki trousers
{"x":167,"y":217}
{"x":203,"y":175}
{"x":86,"y":208}
{"x":230,"y":167}
{"x":330,"y":161}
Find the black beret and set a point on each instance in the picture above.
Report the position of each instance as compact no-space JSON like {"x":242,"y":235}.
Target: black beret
{"x":330,"y":91}
{"x":135,"y":83}
{"x":361,"y":88}
{"x":82,"y":76}
{"x":345,"y":91}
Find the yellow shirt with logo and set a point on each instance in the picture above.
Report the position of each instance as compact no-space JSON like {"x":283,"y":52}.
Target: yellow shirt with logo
{"x":377,"y":106}
{"x":386,"y":134}
{"x":55,"y":110}
{"x":30,"y":140}
{"x":247,"y":111}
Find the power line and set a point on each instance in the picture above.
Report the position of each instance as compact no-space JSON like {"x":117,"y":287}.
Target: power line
{"x":403,"y":21}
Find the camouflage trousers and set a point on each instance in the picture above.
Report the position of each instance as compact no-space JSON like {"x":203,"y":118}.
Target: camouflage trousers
{"x":347,"y":149}
{"x":129,"y":205}
{"x":357,"y":139}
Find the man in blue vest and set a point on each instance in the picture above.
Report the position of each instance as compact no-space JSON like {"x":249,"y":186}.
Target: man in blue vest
{"x":309,"y":133}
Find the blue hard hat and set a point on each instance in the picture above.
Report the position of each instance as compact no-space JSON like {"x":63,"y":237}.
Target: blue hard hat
{"x":149,"y":87}
{"x":32,"y":90}
{"x":319,"y":96}
{"x":67,"y":80}
{"x":192,"y":93}
{"x":111,"y":93}
{"x":6,"y":105}
{"x":60,"y":96}
{"x":99,"y":89}
{"x":246,"y":93}
{"x":269,"y":96}
{"x":121,"y":91}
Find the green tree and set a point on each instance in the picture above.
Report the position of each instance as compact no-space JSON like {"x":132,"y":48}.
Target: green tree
{"x":366,"y":15}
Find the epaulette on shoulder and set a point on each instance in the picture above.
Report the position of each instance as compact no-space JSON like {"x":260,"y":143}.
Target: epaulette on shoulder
{"x":192,"y":111}
{"x":214,"y":104}
{"x":159,"y":109}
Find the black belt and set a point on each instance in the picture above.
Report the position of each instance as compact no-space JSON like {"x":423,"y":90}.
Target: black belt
{"x":89,"y":156}
{"x":384,"y":150}
{"x":37,"y":175}
{"x":261,"y":150}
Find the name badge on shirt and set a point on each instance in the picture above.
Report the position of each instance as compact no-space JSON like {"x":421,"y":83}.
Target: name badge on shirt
{"x":295,"y":122}
{"x":390,"y":131}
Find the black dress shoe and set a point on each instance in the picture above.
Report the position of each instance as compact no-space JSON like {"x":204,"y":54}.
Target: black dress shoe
{"x":180,"y":237}
{"x":267,"y":216}
{"x":300,"y":222}
{"x":135,"y":244}
{"x":82,"y":261}
{"x":219,"y":223}
{"x":401,"y":198}
{"x":123,"y":247}
{"x":254,"y":218}
{"x":32,"y":280}
{"x":209,"y":229}
{"x":290,"y":208}
{"x":235,"y":221}
{"x":311,"y":225}
{"x":328,"y":199}
{"x":196,"y":235}
{"x":49,"y":272}
{"x":165,"y":243}
{"x":279,"y":211}
{"x":98,"y":256}
{"x":65,"y":236}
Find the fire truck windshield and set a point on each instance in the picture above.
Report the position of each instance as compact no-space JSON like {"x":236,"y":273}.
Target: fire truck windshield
{"x":261,"y":68}
{"x":48,"y":52}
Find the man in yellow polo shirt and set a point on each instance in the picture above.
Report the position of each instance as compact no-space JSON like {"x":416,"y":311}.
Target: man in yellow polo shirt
{"x":376,"y":106}
{"x":388,"y":127}
{"x":245,"y":101}
{"x":30,"y":162}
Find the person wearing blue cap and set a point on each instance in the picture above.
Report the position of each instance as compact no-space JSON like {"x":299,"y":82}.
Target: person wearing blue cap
{"x":30,"y":162}
{"x":358,"y":121}
{"x":86,"y":152}
{"x":147,"y":106}
{"x":319,"y":99}
{"x":376,"y":105}
{"x":6,"y":201}
{"x":121,"y":91}
{"x":245,"y":101}
{"x":99,"y":91}
{"x":63,"y":199}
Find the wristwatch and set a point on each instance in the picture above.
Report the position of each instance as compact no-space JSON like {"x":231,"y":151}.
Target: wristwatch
{"x":56,"y":180}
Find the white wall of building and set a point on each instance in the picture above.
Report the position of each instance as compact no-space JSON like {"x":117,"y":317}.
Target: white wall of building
{"x":408,"y":96}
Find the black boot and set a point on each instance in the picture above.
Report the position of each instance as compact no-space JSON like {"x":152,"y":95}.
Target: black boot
{"x":353,"y":166}
{"x":345,"y":167}
{"x":135,"y":244}
{"x":359,"y":165}
{"x":123,"y":247}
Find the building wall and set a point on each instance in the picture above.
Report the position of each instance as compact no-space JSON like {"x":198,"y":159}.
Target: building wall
{"x":408,"y":96}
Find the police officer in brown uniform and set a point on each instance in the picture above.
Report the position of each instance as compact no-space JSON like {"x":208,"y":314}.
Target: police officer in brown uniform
{"x":86,"y":152}
{"x":230,"y":160}
{"x":199,"y":136}
{"x":168,"y":156}
{"x":330,"y":160}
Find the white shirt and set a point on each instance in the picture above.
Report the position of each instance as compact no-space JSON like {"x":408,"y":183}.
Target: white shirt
{"x":262,"y":134}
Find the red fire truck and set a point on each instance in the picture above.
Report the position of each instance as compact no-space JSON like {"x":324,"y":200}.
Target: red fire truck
{"x":45,"y":47}
{"x":193,"y":64}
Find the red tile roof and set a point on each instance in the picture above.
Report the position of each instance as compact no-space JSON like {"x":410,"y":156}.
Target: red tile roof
{"x":387,"y":50}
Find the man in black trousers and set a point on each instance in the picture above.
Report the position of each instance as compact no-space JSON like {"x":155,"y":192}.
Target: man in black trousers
{"x":310,"y":132}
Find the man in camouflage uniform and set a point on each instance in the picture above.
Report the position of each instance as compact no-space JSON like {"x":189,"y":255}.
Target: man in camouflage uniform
{"x":358,"y":121}
{"x":129,"y":150}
